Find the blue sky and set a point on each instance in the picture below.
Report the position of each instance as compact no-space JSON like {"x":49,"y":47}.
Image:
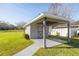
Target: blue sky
{"x":14,"y":13}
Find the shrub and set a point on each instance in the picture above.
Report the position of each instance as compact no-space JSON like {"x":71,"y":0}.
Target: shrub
{"x":26,"y":36}
{"x":58,"y":37}
{"x":57,"y":34}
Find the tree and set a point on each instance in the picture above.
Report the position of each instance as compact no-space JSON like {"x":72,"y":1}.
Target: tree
{"x":6,"y":26}
{"x":59,"y":9}
{"x":20,"y":25}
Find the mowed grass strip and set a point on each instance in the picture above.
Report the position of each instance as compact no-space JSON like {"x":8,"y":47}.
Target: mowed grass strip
{"x":12,"y":42}
{"x":58,"y":51}
{"x":66,"y":49}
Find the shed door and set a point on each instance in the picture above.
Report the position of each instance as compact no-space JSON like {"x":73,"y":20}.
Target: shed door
{"x":40,"y":31}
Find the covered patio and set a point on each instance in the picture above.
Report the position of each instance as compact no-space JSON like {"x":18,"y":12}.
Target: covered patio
{"x":39,"y":27}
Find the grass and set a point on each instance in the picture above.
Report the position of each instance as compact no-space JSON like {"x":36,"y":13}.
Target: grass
{"x":12,"y":42}
{"x":66,"y":49}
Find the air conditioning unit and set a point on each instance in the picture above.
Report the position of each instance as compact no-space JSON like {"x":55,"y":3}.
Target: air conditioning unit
{"x":78,"y":32}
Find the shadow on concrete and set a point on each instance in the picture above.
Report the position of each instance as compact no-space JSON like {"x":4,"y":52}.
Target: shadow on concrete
{"x":58,"y":40}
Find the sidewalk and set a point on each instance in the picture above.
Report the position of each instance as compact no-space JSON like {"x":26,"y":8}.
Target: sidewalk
{"x":29,"y":51}
{"x":38,"y":43}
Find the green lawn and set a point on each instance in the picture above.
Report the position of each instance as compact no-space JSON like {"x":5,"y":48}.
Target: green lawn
{"x":12,"y":42}
{"x":66,"y":49}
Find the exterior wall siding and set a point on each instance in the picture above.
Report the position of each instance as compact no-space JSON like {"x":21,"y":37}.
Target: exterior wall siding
{"x":61,"y":31}
{"x":28,"y":30}
{"x":31,"y":30}
{"x":64,"y":31}
{"x":35,"y":31}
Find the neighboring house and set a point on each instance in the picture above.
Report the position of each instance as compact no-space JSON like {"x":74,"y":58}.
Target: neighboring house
{"x":42,"y":25}
{"x":62,"y":29}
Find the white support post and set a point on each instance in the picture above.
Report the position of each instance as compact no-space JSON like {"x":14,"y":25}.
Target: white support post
{"x":44,"y":35}
{"x":69,"y":32}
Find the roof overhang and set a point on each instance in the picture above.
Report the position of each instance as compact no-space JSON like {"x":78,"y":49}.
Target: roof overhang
{"x":49,"y":16}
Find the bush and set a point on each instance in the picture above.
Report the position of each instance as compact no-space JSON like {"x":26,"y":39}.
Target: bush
{"x":58,"y":37}
{"x":57,"y":34}
{"x":26,"y":36}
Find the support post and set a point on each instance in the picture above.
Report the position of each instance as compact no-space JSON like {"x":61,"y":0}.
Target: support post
{"x":44,"y":33}
{"x":69,"y":34}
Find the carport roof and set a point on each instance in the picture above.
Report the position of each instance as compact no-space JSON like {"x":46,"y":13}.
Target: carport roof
{"x":47,"y":15}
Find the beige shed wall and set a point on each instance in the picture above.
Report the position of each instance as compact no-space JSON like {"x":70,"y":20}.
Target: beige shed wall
{"x":27,"y":30}
{"x":35,"y":31}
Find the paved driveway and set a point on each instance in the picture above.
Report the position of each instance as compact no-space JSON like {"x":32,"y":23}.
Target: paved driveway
{"x":38,"y":43}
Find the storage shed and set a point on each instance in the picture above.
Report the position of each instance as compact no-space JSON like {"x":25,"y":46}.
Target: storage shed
{"x":40,"y":26}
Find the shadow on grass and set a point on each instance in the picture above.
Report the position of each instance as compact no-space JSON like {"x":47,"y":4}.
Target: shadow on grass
{"x":62,"y":47}
{"x":74,"y":42}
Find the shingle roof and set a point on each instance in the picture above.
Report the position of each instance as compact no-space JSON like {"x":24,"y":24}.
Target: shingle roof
{"x":75,"y":23}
